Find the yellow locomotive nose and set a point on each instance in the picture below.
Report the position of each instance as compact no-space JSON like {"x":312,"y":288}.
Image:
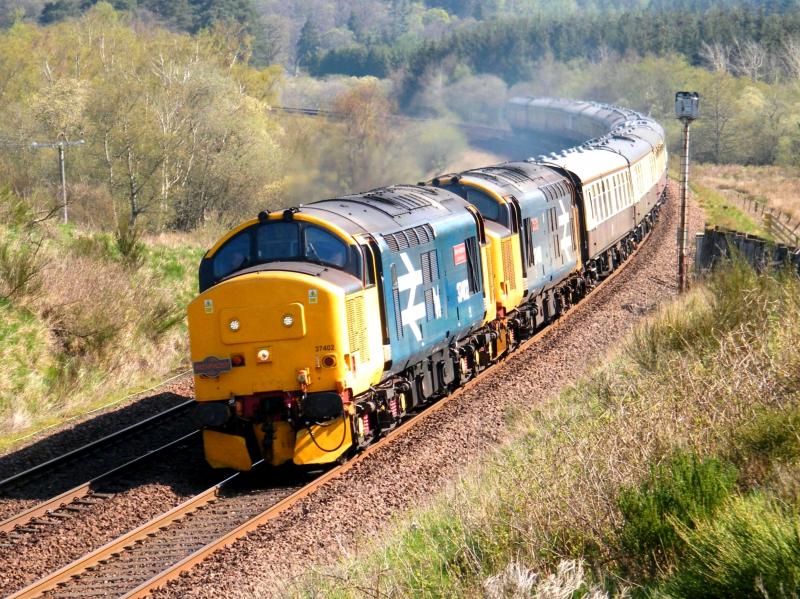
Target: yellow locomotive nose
{"x":277,"y":355}
{"x":260,"y":322}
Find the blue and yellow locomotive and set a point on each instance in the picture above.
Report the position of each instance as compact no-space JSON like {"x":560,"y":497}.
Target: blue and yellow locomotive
{"x":318,"y":328}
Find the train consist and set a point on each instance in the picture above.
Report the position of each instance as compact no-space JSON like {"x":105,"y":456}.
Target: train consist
{"x":319,"y":327}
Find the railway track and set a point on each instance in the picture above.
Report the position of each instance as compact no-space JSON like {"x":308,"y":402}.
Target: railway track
{"x":67,"y":504}
{"x":159,"y":551}
{"x":67,"y":477}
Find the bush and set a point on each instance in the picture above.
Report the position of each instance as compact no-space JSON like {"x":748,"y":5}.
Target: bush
{"x":751,"y":549}
{"x":680,"y":493}
{"x":20,"y":268}
{"x":736,"y":302}
{"x":773,"y":436}
{"x":129,"y":245}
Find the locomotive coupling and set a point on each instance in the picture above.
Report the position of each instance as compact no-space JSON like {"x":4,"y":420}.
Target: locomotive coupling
{"x":210,"y":414}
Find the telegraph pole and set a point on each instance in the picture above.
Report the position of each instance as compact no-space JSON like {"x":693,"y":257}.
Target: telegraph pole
{"x":60,"y":145}
{"x":687,"y":109}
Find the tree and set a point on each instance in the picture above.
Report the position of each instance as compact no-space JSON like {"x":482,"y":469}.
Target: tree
{"x":59,"y":10}
{"x":716,"y":56}
{"x":791,"y":57}
{"x":208,"y":12}
{"x":715,"y":133}
{"x":308,"y":45}
{"x":361,"y":157}
{"x":749,"y":59}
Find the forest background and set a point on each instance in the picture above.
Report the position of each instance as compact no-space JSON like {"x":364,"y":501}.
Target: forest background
{"x":176,"y":104}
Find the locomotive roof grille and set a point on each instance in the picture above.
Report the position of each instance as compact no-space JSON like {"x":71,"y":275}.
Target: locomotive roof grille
{"x":413,"y":236}
{"x":515,"y":174}
{"x":409,"y":201}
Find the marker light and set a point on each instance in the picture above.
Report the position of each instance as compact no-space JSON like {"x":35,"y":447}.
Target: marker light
{"x":263,"y":355}
{"x":288,"y":320}
{"x":234,"y":325}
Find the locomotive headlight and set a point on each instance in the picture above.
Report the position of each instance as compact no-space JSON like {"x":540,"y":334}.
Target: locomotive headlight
{"x":288,"y":320}
{"x":234,"y":325}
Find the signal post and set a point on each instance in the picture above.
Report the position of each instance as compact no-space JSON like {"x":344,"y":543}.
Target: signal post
{"x":687,"y":109}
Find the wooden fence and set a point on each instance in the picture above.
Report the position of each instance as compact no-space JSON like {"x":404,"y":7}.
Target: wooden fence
{"x":777,"y":223}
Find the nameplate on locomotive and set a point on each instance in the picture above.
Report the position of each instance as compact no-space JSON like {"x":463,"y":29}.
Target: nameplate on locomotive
{"x":211,"y":367}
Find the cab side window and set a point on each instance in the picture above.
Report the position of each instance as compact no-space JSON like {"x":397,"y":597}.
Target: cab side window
{"x":233,"y":256}
{"x":322,"y":246}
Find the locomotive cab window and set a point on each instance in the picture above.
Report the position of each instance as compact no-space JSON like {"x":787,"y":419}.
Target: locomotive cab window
{"x":324,"y":247}
{"x":233,"y":256}
{"x":489,"y":208}
{"x":281,"y":241}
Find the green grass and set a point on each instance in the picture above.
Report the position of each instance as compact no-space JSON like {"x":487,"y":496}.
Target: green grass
{"x":751,"y":549}
{"x":637,"y":472}
{"x":677,"y":495}
{"x":99,"y":319}
{"x":720,"y":212}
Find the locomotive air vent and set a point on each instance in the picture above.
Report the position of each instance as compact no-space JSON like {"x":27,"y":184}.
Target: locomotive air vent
{"x":410,"y":237}
{"x":508,"y":264}
{"x":357,"y":327}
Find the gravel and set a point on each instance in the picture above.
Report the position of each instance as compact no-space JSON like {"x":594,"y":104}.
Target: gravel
{"x":55,"y":441}
{"x":330,"y":522}
{"x":138,"y":498}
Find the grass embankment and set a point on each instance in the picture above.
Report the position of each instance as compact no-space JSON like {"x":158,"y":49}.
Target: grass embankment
{"x":671,"y":471}
{"x":723,"y":212}
{"x":85,"y":317}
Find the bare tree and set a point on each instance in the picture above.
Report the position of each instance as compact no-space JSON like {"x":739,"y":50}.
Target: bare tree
{"x":717,"y":56}
{"x":749,"y":59}
{"x":716,"y":137}
{"x":791,"y":57}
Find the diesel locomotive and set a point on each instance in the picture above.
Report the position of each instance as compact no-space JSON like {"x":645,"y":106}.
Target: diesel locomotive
{"x":318,"y":328}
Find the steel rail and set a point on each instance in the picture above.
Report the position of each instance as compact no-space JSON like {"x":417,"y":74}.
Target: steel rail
{"x":95,"y":558}
{"x":120,"y":544}
{"x":12,"y":481}
{"x":84,"y":490}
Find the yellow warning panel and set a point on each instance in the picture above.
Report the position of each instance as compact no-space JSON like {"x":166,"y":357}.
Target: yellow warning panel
{"x":323,"y":443}
{"x":283,"y":436}
{"x":226,"y":451}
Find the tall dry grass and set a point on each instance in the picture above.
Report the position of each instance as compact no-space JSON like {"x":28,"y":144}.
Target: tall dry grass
{"x":91,"y":316}
{"x":775,"y":186}
{"x":688,"y":381}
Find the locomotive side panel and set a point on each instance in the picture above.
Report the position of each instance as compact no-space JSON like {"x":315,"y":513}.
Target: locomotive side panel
{"x":433,"y":291}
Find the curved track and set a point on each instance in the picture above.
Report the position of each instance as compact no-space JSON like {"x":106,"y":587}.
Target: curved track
{"x":159,"y":551}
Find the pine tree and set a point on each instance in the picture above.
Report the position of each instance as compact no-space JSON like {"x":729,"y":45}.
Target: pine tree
{"x":308,"y":46}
